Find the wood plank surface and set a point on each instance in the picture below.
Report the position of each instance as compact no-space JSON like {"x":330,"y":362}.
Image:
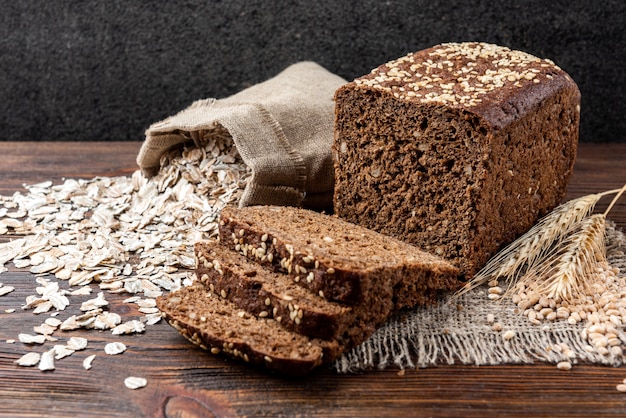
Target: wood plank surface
{"x":184,"y":381}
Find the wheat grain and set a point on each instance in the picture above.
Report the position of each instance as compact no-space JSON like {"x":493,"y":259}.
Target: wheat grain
{"x":601,"y":309}
{"x":560,"y":271}
{"x":564,"y":365}
{"x":509,"y":335}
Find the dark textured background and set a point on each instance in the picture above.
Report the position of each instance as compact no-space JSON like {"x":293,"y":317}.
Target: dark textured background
{"x":105,"y":70}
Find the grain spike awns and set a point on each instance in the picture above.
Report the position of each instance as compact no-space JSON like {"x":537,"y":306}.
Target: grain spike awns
{"x":559,"y":251}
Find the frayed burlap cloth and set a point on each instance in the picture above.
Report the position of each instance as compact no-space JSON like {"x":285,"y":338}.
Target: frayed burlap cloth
{"x":282,"y":128}
{"x":457,"y":332}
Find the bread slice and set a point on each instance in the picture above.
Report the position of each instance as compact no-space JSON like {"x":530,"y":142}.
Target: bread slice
{"x":457,"y":149}
{"x":291,"y":289}
{"x":264,"y":293}
{"x":217,"y":325}
{"x":336,"y":259}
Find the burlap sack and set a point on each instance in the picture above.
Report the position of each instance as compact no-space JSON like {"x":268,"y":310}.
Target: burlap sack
{"x":282,"y":128}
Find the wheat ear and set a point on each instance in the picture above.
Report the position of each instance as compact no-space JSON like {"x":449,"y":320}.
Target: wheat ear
{"x":564,"y":273}
{"x":527,"y":250}
{"x":524,"y":252}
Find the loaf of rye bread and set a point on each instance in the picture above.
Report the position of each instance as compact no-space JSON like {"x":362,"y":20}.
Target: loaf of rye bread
{"x":457,"y":149}
{"x":338,"y":260}
{"x":219,"y":326}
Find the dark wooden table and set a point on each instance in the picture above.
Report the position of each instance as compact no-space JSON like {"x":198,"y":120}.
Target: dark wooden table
{"x":183,"y":381}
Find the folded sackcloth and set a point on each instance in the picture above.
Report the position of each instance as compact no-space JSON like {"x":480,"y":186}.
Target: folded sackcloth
{"x":283,"y":131}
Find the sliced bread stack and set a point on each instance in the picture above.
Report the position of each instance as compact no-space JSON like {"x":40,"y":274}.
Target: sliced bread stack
{"x":291,"y":289}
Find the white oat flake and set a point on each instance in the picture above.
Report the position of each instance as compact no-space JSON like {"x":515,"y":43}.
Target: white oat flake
{"x":62,"y":351}
{"x":130,"y":327}
{"x":114,"y":348}
{"x":77,"y":343}
{"x":133,"y":382}
{"x":31,"y":339}
{"x":47,"y":360}
{"x":87,"y":362}
{"x":5,"y":290}
{"x":28,"y":359}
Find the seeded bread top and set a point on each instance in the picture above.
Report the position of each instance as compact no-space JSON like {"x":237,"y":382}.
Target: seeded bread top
{"x":492,"y":81}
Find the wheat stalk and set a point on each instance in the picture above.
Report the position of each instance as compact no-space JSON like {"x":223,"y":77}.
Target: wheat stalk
{"x":563,"y":274}
{"x":549,"y":235}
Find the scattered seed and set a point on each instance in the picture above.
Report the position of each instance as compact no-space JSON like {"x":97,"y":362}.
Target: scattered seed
{"x":564,"y":365}
{"x":77,"y":343}
{"x":62,"y":351}
{"x":508,"y":335}
{"x":5,"y":290}
{"x":99,"y":222}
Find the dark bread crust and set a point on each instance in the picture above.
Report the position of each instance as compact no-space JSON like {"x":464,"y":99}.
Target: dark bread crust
{"x":214,"y":324}
{"x":343,"y":261}
{"x":457,"y":149}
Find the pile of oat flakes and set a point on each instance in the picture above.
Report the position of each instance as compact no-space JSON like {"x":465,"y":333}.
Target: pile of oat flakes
{"x":130,"y":235}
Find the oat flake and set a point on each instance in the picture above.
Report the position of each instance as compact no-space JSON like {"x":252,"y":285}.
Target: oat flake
{"x":28,"y":359}
{"x":88,"y":362}
{"x":114,"y":348}
{"x":133,"y":382}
